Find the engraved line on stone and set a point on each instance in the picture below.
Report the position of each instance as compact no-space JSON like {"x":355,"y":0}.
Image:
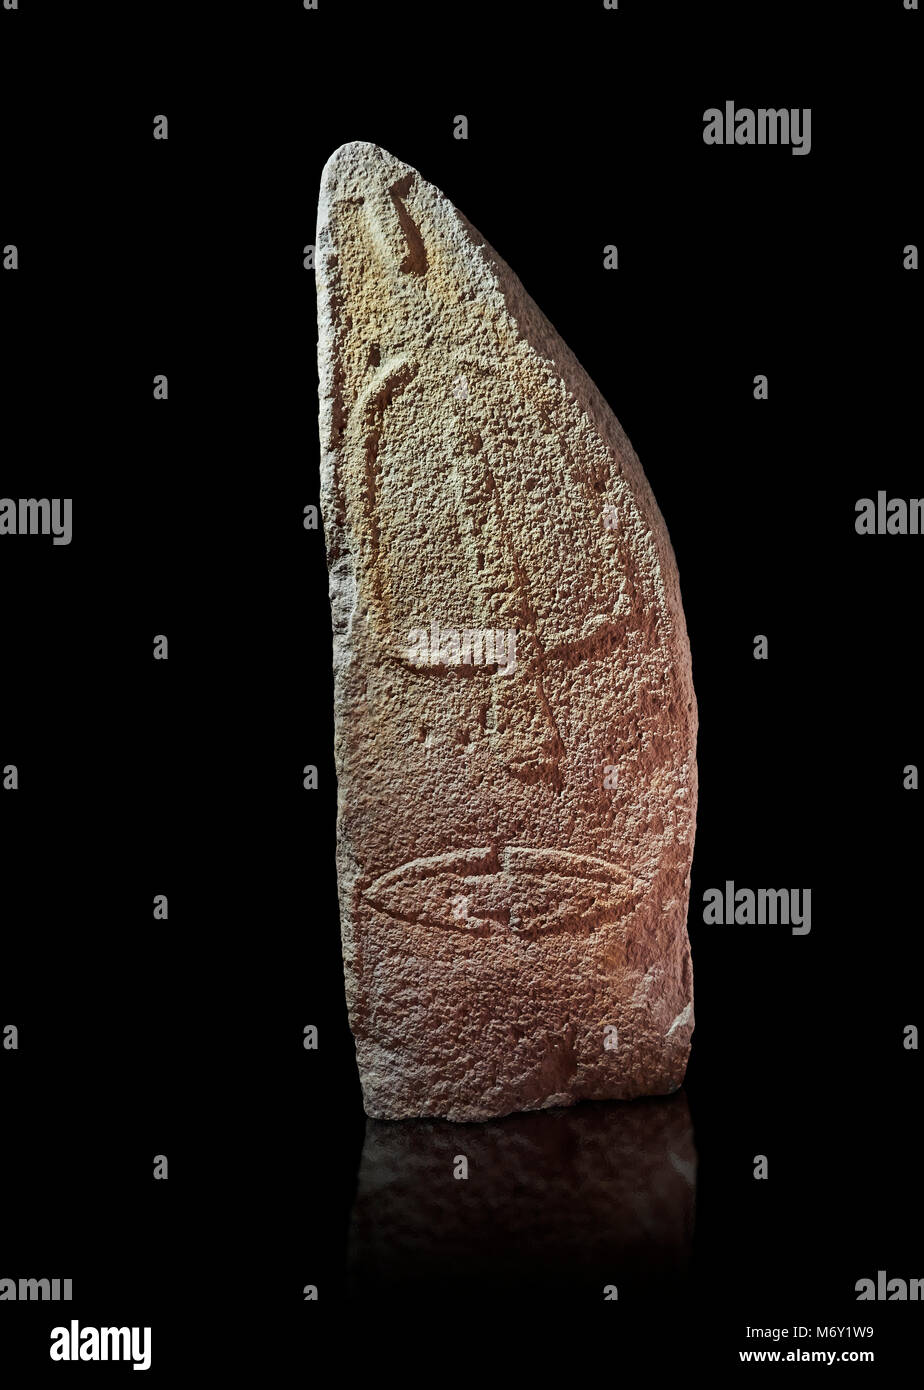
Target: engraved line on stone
{"x":524,"y":891}
{"x":394,"y":376}
{"x":543,"y":765}
{"x":599,"y":643}
{"x":415,"y":262}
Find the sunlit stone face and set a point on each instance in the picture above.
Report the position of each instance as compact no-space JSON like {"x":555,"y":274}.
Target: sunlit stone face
{"x":515,"y":719}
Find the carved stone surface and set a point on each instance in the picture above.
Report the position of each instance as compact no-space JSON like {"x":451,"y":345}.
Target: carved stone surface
{"x":515,"y":718}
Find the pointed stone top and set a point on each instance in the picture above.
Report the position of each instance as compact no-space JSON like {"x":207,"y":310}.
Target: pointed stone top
{"x":349,"y":168}
{"x":508,"y":635}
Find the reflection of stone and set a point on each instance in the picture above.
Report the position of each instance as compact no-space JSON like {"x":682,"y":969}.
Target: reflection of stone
{"x":514,"y":837}
{"x":580,"y":1198}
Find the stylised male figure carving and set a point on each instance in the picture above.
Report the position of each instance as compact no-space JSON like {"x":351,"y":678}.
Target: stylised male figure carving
{"x":515,"y":719}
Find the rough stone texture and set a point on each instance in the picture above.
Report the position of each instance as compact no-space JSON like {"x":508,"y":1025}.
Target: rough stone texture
{"x":502,"y":908}
{"x":578,"y":1198}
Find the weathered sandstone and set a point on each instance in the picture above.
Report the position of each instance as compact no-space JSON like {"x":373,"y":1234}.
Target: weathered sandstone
{"x":515,"y":718}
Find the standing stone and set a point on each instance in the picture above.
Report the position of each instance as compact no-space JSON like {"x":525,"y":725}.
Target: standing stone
{"x":514,"y":709}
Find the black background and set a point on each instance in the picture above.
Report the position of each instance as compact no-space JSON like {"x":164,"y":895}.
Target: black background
{"x":184,"y":777}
